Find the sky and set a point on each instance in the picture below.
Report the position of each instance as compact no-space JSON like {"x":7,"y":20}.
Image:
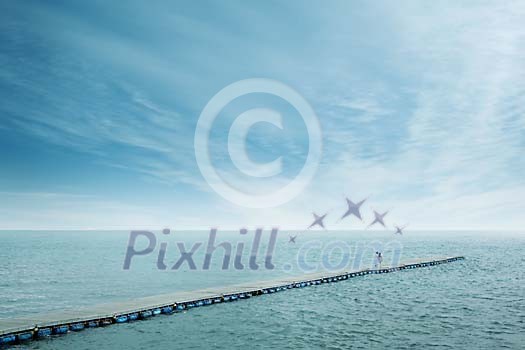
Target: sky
{"x":421,"y":107}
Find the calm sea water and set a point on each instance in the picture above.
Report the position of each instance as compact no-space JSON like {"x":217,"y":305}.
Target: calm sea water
{"x":478,"y":303}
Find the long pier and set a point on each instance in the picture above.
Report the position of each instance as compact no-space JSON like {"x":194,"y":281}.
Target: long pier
{"x":20,"y":330}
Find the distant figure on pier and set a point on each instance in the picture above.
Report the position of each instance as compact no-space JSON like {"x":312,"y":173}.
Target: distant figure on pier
{"x":378,"y":260}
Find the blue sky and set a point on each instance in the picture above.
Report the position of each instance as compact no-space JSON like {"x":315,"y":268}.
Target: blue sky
{"x":421,"y":106}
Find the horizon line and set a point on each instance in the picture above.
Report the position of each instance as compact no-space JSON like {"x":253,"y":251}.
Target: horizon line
{"x":303,"y":230}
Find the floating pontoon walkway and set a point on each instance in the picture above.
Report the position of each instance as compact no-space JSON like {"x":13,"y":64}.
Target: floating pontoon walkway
{"x":17,"y":330}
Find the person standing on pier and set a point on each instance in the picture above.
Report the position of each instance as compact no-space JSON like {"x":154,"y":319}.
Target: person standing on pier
{"x":378,"y":260}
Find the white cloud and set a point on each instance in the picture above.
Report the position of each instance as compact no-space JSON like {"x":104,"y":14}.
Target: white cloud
{"x":424,"y":112}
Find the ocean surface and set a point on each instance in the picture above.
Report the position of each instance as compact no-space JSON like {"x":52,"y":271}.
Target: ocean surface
{"x":478,"y":303}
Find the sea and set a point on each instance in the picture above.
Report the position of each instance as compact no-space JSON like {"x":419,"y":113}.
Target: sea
{"x":476,"y":303}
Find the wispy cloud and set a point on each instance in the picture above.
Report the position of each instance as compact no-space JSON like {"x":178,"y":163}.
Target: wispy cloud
{"x":423,"y":110}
